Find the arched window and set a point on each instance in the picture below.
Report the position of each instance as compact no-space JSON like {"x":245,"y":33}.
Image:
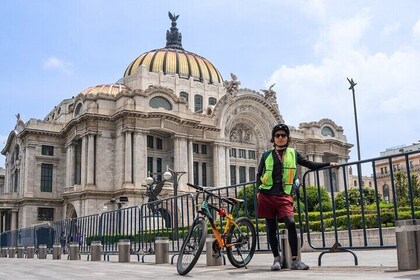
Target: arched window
{"x":160,"y":102}
{"x":79,"y":109}
{"x":212,"y":101}
{"x":198,"y":103}
{"x":183,"y":95}
{"x":327,"y":131}
{"x":385,"y":191}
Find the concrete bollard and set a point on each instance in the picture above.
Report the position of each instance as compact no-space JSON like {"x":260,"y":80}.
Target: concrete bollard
{"x":56,"y":251}
{"x":4,"y":252}
{"x":30,"y":252}
{"x":42,"y":251}
{"x":124,"y":250}
{"x":417,"y":224}
{"x":95,"y":250}
{"x":286,"y":252}
{"x":212,"y":260}
{"x":12,"y":252}
{"x":20,"y":252}
{"x":161,"y":250}
{"x":407,"y":233}
{"x":74,"y":251}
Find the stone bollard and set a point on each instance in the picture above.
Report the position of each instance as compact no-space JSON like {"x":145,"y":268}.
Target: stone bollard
{"x":286,"y":252}
{"x":12,"y":252}
{"x":407,"y":233}
{"x":56,"y":251}
{"x":124,"y":250}
{"x":417,"y":224}
{"x":161,"y":250}
{"x":212,"y":260}
{"x":42,"y":251}
{"x":30,"y":252}
{"x":20,"y":252}
{"x":74,"y":251}
{"x":95,"y":250}
{"x":4,"y":252}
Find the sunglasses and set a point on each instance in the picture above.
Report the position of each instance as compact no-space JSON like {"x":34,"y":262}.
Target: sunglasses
{"x":282,"y":135}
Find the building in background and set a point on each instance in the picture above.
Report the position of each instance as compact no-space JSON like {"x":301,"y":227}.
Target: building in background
{"x":384,"y":168}
{"x":171,"y":108}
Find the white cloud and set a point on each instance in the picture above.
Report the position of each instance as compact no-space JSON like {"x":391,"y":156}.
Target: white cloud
{"x":54,"y":63}
{"x":391,"y":29}
{"x":416,"y":30}
{"x":387,"y":92}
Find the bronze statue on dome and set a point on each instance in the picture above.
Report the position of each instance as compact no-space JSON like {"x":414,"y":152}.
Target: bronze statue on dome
{"x":173,"y":37}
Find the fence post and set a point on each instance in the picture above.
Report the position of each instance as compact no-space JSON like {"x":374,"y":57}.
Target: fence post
{"x":124,"y":250}
{"x":286,"y":252}
{"x":406,"y":232}
{"x":42,"y":251}
{"x":74,"y":251}
{"x":56,"y":251}
{"x":212,"y":260}
{"x":95,"y":250}
{"x":161,"y":250}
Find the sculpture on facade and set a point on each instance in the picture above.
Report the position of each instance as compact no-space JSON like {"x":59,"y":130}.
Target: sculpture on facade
{"x":270,"y":94}
{"x":232,"y":86}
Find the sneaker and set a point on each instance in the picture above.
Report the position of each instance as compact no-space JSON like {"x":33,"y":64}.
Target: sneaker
{"x":299,"y":265}
{"x":276,"y":264}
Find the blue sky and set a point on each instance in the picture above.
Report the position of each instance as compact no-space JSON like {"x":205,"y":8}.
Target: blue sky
{"x":52,"y":50}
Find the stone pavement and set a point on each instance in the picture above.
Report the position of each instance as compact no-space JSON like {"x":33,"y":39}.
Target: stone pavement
{"x":373,"y":265}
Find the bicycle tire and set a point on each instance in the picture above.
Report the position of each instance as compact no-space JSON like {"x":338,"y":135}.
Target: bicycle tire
{"x":191,"y":247}
{"x":241,"y":253}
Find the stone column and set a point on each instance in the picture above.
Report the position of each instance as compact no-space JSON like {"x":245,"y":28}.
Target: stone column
{"x":318,"y":158}
{"x":90,"y":159}
{"x":216,"y":175}
{"x":180,"y":164}
{"x":140,"y":158}
{"x":70,"y":165}
{"x":28,"y":172}
{"x":311,"y":179}
{"x":13,"y":221}
{"x":190,"y":161}
{"x":128,"y":156}
{"x":83,"y":162}
{"x":219,"y":172}
{"x":227,"y":165}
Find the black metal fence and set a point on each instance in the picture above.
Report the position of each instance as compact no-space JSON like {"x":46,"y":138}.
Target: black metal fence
{"x":344,"y":221}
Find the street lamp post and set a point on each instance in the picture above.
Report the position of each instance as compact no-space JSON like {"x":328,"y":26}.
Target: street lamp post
{"x":175,"y":176}
{"x":352,"y":85}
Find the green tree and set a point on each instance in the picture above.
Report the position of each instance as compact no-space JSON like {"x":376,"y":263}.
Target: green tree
{"x":313,"y":201}
{"x":354,"y":197}
{"x":402,"y":188}
{"x":248,"y":194}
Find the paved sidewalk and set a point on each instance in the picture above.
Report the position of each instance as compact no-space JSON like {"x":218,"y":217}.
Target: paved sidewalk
{"x":373,"y":265}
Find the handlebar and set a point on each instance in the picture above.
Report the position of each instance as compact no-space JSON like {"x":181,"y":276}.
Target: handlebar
{"x":229,"y":200}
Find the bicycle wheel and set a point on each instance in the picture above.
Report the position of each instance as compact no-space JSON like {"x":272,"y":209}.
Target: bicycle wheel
{"x":191,"y":248}
{"x":241,"y":242}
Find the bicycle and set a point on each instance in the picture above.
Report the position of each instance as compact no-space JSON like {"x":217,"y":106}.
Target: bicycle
{"x":238,"y":237}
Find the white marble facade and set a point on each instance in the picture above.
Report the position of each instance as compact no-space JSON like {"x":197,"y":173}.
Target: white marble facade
{"x":102,"y":143}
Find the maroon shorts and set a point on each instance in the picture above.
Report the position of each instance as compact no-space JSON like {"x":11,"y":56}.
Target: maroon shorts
{"x":272,"y":206}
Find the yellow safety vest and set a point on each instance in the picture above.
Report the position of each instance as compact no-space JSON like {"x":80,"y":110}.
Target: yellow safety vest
{"x":289,"y":171}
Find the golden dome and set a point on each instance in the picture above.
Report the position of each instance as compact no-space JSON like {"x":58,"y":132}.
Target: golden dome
{"x":112,"y":89}
{"x":173,"y":61}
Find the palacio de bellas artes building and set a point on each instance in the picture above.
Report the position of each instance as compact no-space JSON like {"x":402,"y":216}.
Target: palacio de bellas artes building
{"x":171,"y":109}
